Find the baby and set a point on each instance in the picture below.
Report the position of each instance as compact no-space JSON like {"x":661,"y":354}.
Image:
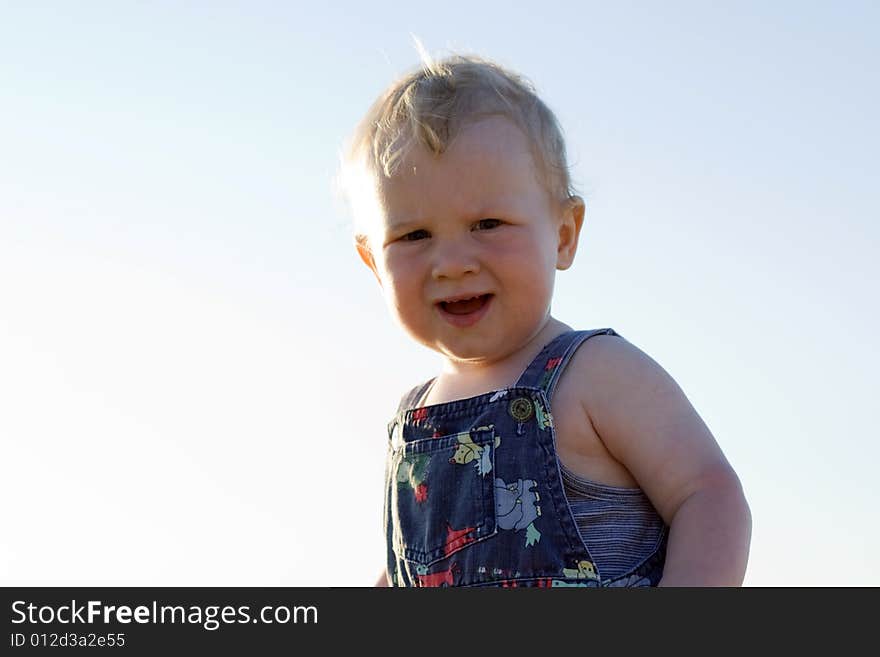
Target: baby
{"x":539,"y":455}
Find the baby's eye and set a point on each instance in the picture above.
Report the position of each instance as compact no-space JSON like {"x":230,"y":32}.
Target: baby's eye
{"x":419,"y":234}
{"x":488,"y":224}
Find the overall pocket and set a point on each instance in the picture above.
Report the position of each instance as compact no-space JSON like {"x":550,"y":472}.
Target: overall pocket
{"x":442,"y":494}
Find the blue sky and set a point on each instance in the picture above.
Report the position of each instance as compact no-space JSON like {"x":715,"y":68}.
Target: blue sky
{"x":196,"y":370}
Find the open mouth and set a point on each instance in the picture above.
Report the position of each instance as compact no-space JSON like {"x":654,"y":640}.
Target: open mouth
{"x":465,"y":312}
{"x":465,"y":306}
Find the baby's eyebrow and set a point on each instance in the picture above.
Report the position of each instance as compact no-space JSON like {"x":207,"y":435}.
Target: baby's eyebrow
{"x":398,"y":226}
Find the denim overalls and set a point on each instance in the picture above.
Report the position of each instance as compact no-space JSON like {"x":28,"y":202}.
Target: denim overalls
{"x":474,"y":494}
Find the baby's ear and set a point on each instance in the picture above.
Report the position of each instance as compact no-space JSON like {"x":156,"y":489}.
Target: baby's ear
{"x":366,"y":253}
{"x":571,"y":220}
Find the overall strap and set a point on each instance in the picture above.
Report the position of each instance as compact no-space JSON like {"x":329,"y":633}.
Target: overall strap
{"x":410,"y":399}
{"x":544,"y":372}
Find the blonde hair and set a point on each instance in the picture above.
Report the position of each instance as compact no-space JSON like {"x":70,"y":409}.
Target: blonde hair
{"x":430,"y":105}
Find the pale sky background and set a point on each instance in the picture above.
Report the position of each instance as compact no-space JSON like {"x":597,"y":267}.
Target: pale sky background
{"x":196,"y":370}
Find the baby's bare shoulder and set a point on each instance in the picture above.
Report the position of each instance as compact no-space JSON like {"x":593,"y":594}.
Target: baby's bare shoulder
{"x":646,"y":422}
{"x":606,"y":363}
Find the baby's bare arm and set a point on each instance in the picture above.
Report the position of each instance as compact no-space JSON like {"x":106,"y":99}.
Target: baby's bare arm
{"x":648,"y":424}
{"x":383,"y":580}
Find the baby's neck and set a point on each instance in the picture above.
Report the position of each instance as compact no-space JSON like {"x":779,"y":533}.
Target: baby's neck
{"x":462,"y":380}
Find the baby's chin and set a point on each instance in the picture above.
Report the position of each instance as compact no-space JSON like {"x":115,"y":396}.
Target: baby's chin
{"x":482,"y":352}
{"x":500,"y":347}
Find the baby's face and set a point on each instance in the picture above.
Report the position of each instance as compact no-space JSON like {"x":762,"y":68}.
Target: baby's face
{"x":466,"y":245}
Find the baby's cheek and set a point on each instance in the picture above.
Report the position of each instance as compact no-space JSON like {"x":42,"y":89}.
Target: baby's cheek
{"x":534,"y":294}
{"x":404,"y":300}
{"x":399,"y":269}
{"x":401,"y":283}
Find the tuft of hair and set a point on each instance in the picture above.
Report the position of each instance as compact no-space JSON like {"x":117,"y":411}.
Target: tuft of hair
{"x":430,"y":105}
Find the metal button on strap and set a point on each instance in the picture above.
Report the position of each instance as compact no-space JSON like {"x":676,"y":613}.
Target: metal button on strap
{"x":521,"y":409}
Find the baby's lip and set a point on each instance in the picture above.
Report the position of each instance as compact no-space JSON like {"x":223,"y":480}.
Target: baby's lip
{"x":462,"y":297}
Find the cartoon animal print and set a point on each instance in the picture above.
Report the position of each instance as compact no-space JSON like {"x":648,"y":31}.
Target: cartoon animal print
{"x":457,"y":538}
{"x":412,"y":472}
{"x":440,"y":578}
{"x":501,"y":576}
{"x":425,"y":422}
{"x":541,"y":582}
{"x":551,"y":365}
{"x":584,"y":570}
{"x":467,"y":451}
{"x":557,"y":583}
{"x":504,"y":573}
{"x":498,"y":395}
{"x":507,"y":578}
{"x":516,"y":506}
{"x":543,"y":416}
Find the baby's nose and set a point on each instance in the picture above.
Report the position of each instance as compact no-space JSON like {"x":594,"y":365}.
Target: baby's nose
{"x":454,"y":261}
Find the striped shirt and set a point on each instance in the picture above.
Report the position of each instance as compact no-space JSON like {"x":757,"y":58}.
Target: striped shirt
{"x":619,"y":526}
